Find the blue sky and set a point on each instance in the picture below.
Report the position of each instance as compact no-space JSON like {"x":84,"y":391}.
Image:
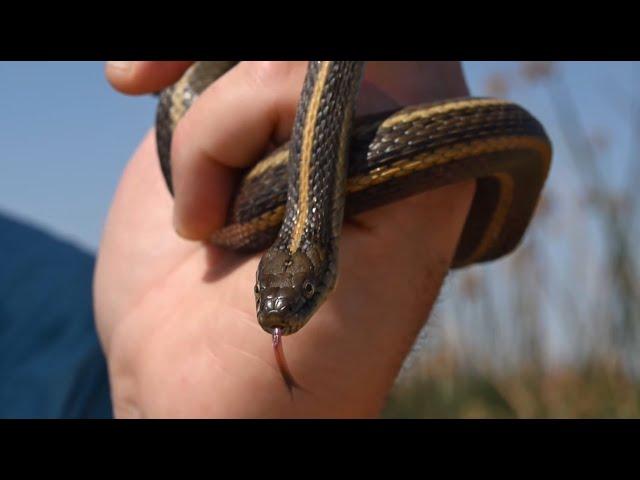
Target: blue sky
{"x":66,"y":136}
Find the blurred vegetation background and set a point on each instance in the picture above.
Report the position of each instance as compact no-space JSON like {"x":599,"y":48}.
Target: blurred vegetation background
{"x":553,"y":330}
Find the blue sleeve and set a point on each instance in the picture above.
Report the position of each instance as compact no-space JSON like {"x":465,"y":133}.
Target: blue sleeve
{"x":51,"y":364}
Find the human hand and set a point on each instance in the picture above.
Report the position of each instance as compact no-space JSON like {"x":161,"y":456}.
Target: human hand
{"x":177,"y":318}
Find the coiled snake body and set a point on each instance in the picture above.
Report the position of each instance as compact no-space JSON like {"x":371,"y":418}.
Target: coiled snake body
{"x":293,"y":201}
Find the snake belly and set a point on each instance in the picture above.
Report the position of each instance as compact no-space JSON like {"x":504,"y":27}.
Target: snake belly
{"x":393,"y":155}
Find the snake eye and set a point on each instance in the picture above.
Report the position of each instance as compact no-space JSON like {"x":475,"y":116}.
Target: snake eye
{"x":308,"y":289}
{"x":256,"y":289}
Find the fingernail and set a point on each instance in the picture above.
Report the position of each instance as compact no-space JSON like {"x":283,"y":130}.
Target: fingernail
{"x":122,"y":66}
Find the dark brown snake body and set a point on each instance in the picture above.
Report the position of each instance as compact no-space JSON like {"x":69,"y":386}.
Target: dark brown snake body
{"x":293,"y":201}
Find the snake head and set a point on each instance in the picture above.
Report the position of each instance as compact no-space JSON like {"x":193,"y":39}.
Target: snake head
{"x":290,"y":287}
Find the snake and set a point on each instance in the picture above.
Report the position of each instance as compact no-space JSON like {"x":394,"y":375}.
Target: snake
{"x":292,"y":203}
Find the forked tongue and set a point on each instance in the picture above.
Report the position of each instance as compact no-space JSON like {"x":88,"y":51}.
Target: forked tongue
{"x":282,"y":362}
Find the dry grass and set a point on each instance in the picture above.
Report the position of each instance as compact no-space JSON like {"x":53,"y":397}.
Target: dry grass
{"x":447,"y":391}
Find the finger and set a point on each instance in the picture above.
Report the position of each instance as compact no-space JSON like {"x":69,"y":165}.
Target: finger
{"x":229,"y":127}
{"x":414,"y":82}
{"x":138,"y":77}
{"x":372,"y":99}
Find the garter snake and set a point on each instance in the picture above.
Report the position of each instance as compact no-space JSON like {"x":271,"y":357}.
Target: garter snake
{"x":292,"y":202}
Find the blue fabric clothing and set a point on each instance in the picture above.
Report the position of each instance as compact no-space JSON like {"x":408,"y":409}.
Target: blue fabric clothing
{"x":51,"y":364}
